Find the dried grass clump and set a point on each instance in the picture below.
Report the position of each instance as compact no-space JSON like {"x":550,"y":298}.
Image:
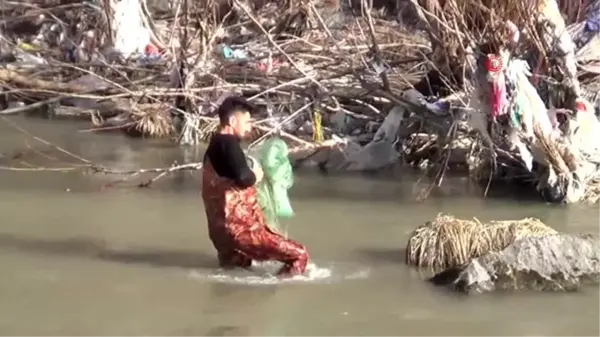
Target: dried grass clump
{"x":152,"y":122}
{"x":448,"y":241}
{"x":196,"y":129}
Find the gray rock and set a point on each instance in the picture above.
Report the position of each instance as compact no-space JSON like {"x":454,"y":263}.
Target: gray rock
{"x":561,"y":262}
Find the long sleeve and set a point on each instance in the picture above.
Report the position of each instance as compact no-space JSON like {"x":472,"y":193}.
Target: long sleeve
{"x":228,"y":160}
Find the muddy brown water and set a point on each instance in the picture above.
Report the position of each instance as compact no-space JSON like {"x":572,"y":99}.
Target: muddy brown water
{"x":129,"y":261}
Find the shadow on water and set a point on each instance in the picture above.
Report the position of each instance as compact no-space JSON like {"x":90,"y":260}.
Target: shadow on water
{"x":407,"y":185}
{"x":378,"y":255}
{"x":219,"y":330}
{"x":91,"y":249}
{"x":225,"y":330}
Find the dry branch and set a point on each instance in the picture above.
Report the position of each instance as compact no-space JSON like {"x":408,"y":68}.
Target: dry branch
{"x":313,"y":68}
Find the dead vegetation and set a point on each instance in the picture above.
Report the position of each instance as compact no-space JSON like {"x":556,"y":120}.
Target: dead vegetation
{"x":291,"y":58}
{"x":323,"y":72}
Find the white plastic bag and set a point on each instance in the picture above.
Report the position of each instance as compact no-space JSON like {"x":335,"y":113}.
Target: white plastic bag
{"x":131,"y":36}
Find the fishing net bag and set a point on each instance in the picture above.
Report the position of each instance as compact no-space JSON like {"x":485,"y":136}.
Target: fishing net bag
{"x":278,"y":178}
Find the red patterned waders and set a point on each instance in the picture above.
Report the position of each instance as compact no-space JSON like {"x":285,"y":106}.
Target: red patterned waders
{"x":237,"y":228}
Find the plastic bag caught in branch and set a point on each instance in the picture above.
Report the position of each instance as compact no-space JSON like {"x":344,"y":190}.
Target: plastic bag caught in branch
{"x":131,"y":36}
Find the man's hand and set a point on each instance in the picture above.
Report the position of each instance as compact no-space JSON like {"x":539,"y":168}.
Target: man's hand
{"x":258,"y":173}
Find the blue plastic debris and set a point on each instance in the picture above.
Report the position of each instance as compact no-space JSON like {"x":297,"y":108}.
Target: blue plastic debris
{"x":592,"y":22}
{"x":71,"y":54}
{"x":227,"y":52}
{"x":236,"y":54}
{"x":147,"y":59}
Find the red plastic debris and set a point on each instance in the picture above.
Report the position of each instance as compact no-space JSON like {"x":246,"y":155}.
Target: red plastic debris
{"x":580,"y":105}
{"x":493,"y":63}
{"x":263,"y":67}
{"x":151,"y":50}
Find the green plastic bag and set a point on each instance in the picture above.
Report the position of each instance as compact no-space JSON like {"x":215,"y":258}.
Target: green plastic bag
{"x":278,"y":178}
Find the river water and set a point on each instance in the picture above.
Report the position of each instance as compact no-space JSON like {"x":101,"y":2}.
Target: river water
{"x":129,"y":261}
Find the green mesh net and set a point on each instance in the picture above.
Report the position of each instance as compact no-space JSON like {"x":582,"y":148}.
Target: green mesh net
{"x":272,"y":156}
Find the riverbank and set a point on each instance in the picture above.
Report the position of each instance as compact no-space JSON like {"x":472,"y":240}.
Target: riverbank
{"x":22,"y":155}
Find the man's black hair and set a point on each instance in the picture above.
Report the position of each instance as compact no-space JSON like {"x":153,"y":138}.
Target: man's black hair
{"x":232,"y":104}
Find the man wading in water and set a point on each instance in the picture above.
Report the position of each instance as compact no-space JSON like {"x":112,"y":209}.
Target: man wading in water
{"x":236,"y":223}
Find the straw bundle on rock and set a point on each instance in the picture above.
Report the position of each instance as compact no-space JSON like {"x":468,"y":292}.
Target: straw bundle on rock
{"x":447,"y":241}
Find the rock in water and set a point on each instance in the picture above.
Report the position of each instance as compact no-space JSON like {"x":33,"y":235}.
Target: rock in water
{"x":559,"y":262}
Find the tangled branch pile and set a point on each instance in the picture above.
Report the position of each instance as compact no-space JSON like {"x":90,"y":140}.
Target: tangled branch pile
{"x":448,"y":242}
{"x":285,"y":58}
{"x":323,"y":72}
